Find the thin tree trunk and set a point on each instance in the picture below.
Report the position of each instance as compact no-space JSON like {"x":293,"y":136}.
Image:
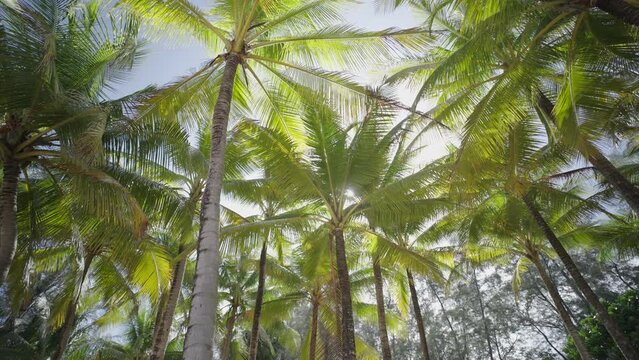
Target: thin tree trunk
{"x":198,"y":344}
{"x":381,"y":312}
{"x":628,"y":191}
{"x":225,"y":351}
{"x":8,"y":209}
{"x":624,"y":345}
{"x":347,"y":323}
{"x":620,"y":9}
{"x":258,"y":304}
{"x":483,"y":316}
{"x":418,"y":315}
{"x":335,"y":290}
{"x":561,"y":309}
{"x":450,"y":324}
{"x":163,"y":328}
{"x":71,"y":313}
{"x":314,"y":317}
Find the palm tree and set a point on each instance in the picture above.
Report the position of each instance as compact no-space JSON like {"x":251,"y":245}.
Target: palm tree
{"x":275,"y":207}
{"x":53,"y":104}
{"x":499,"y":227}
{"x":553,"y":57}
{"x":522,"y":171}
{"x":279,"y":46}
{"x":340,"y":172}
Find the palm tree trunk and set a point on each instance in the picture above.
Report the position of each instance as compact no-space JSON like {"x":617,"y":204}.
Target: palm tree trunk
{"x":381,"y":312}
{"x":163,"y":327}
{"x":483,"y":316}
{"x":225,"y":351}
{"x":8,"y":209}
{"x":347,"y":323}
{"x":561,"y":309}
{"x":458,"y":347}
{"x":71,"y":313}
{"x":258,"y":304}
{"x":335,"y":290}
{"x":628,"y":191}
{"x":624,"y":345}
{"x":198,"y":344}
{"x":620,"y":9}
{"x":314,"y":318}
{"x":418,"y":315}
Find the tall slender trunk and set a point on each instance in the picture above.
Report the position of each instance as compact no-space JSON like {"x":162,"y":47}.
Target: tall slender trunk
{"x":8,"y":209}
{"x":620,"y":9}
{"x":624,"y":345}
{"x":335,"y":290}
{"x":314,"y":317}
{"x":163,"y":327}
{"x":347,"y":323}
{"x":198,"y":344}
{"x":418,"y":315}
{"x":225,"y":351}
{"x":561,"y":309}
{"x":628,"y":191}
{"x":483,"y":316}
{"x":458,"y":347}
{"x":258,"y":304}
{"x":71,"y":313}
{"x":381,"y":312}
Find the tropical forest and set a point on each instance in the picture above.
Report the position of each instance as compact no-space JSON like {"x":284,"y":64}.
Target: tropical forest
{"x":319,"y":179}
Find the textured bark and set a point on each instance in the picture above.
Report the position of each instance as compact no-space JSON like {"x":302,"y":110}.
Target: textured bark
{"x":225,"y":351}
{"x":258,"y":305}
{"x":629,"y":192}
{"x":71,"y":314}
{"x":624,"y":345}
{"x":347,"y":324}
{"x":335,"y":291}
{"x":163,"y":327}
{"x":619,"y":182}
{"x":620,"y":9}
{"x":314,"y":318}
{"x":561,"y":309}
{"x":381,"y":312}
{"x":198,"y":344}
{"x":418,"y":315}
{"x":483,"y":316}
{"x":8,"y":209}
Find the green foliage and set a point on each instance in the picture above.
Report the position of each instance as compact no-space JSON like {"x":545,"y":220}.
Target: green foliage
{"x":625,"y":310}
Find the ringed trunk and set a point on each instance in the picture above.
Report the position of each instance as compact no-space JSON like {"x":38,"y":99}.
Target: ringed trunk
{"x":418,"y":315}
{"x":198,"y":344}
{"x":314,"y":318}
{"x":571,"y":328}
{"x":347,"y":322}
{"x":225,"y":351}
{"x":620,"y":339}
{"x":381,"y":312}
{"x":8,"y":209}
{"x":71,"y":314}
{"x":163,"y":327}
{"x":628,"y":191}
{"x":258,"y":304}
